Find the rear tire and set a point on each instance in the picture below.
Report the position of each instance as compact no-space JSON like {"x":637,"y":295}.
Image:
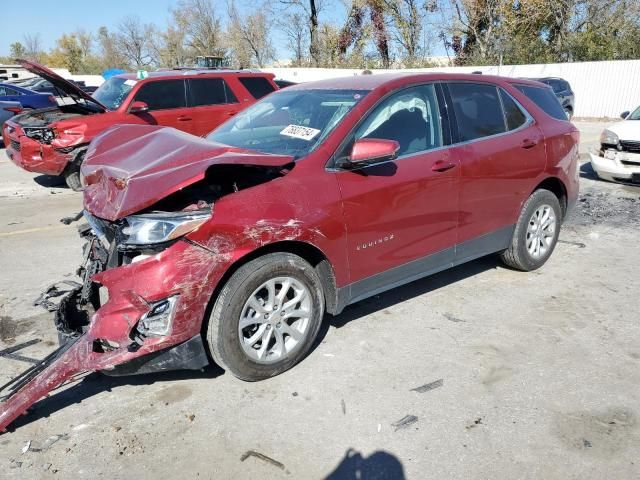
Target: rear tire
{"x":536,"y":232}
{"x":277,"y":297}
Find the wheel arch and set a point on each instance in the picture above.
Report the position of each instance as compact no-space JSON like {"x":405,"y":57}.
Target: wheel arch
{"x":307,"y":251}
{"x":558,"y":188}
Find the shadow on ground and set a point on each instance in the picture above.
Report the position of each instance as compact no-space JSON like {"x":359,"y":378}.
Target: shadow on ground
{"x":379,"y":465}
{"x":94,"y":383}
{"x":50,"y":181}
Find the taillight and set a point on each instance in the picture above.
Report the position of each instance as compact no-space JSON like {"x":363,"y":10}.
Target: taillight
{"x":15,"y":110}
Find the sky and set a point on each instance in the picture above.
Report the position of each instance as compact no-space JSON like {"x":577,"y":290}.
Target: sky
{"x":51,"y":19}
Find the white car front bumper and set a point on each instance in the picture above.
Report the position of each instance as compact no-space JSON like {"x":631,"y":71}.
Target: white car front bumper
{"x":617,"y":166}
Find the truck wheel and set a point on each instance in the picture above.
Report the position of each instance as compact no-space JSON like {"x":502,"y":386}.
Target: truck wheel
{"x":72,"y":172}
{"x":72,"y":177}
{"x":266,"y":317}
{"x":536,"y":232}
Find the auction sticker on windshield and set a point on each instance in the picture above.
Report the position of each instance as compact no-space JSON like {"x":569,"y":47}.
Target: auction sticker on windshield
{"x":297,"y":131}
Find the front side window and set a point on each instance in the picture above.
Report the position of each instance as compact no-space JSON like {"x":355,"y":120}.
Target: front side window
{"x":289,"y":122}
{"x":258,"y":86}
{"x":410,"y":117}
{"x":478,"y":110}
{"x":635,"y":115}
{"x":113,"y":92}
{"x":545,"y":99}
{"x":210,"y":91}
{"x":162,"y":95}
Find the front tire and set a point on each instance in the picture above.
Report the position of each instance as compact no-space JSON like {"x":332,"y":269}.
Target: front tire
{"x":266,"y":317}
{"x":536,"y":232}
{"x":72,"y":172}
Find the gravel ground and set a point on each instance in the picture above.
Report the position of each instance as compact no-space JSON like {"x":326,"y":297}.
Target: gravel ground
{"x":478,"y":372}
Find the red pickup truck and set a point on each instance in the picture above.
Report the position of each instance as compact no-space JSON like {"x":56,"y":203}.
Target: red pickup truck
{"x":54,"y":140}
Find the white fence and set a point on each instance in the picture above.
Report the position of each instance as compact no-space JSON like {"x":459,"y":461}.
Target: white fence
{"x":602,"y":89}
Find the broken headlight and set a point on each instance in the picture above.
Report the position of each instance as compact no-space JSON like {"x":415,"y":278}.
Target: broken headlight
{"x":44,"y":135}
{"x":162,"y":227}
{"x":609,"y":138}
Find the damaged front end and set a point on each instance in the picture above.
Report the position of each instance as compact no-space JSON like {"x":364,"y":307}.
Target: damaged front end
{"x":149,"y":271}
{"x":138,"y":309}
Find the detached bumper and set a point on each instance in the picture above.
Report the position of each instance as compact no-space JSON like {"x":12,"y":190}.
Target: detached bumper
{"x":617,"y":166}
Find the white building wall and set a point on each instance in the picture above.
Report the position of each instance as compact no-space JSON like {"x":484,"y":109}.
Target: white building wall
{"x":602,"y":89}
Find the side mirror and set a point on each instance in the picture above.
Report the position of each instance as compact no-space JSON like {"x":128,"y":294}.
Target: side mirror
{"x":624,"y":115}
{"x":138,"y":107}
{"x":367,"y":151}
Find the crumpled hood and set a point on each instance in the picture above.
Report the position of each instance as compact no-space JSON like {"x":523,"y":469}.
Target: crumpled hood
{"x":128,"y":168}
{"x":626,"y":130}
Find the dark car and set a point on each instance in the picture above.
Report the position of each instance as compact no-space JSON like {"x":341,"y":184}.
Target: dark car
{"x":562,"y":90}
{"x":316,"y":197}
{"x":27,"y":98}
{"x":283,"y":83}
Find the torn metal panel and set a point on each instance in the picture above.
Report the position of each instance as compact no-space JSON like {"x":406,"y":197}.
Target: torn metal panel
{"x":129,"y":168}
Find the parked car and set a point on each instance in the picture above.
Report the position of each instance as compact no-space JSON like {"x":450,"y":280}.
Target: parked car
{"x":316,"y":197}
{"x":563,"y":91}
{"x":8,"y":110}
{"x":54,"y":141}
{"x":27,"y":98}
{"x":284,"y":83}
{"x":617,"y":157}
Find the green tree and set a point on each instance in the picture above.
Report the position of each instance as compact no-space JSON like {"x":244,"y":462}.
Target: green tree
{"x":17,"y":50}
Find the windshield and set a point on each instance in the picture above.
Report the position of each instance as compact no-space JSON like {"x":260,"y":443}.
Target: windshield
{"x":635,"y":115}
{"x":113,"y":92}
{"x":292,"y":122}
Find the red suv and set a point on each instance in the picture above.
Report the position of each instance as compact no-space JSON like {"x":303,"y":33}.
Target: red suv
{"x":233,"y":246}
{"x":54,"y":141}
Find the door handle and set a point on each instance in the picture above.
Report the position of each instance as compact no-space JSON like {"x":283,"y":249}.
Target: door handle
{"x":231,"y":114}
{"x":184,"y":119}
{"x":527,"y":144}
{"x":442,"y":166}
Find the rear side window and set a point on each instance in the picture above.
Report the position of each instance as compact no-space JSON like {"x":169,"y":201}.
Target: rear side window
{"x":478,"y":110}
{"x":162,"y":95}
{"x":545,"y":99}
{"x":8,"y":91}
{"x":258,"y":86}
{"x":210,"y":91}
{"x":513,"y":115}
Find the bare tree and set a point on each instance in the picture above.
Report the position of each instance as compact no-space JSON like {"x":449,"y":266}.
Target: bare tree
{"x":251,"y":35}
{"x":33,"y":46}
{"x":295,"y":28}
{"x":201,"y":26}
{"x":311,"y":9}
{"x":133,"y":41}
{"x":108,"y":50}
{"x":407,"y":17}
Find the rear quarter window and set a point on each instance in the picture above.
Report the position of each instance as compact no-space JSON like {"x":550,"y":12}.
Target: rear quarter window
{"x":545,"y":99}
{"x":513,"y":114}
{"x":258,"y":86}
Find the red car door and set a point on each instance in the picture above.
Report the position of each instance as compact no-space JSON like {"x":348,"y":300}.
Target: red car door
{"x":500,"y":149}
{"x":211,"y":102}
{"x":401,"y":215}
{"x":166,"y":99}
